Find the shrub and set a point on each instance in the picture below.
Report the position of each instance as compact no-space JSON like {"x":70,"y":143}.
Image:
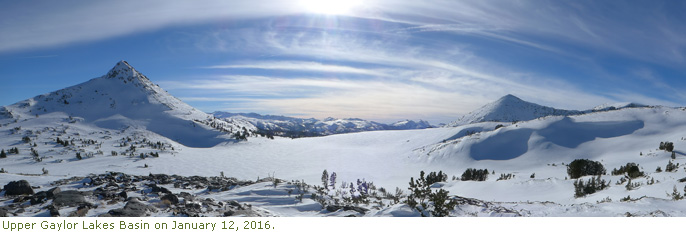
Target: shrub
{"x":422,"y":199}
{"x":591,"y":186}
{"x":667,"y":146}
{"x":676,"y":195}
{"x":630,"y":169}
{"x":475,"y":175}
{"x":441,"y":203}
{"x":434,"y":177}
{"x":505,"y":176}
{"x":584,"y":167}
{"x":671,"y":167}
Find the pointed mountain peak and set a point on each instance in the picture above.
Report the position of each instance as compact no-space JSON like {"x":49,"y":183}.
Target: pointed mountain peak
{"x":122,"y":70}
{"x":509,"y":97}
{"x":510,"y":108}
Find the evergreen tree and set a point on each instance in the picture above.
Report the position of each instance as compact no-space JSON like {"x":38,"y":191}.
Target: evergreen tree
{"x":3,"y":154}
{"x":325,"y":179}
{"x":584,"y":167}
{"x":332,"y":180}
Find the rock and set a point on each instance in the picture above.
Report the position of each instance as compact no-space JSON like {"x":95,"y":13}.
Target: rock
{"x":21,"y":199}
{"x":69,"y":198}
{"x":3,"y":212}
{"x":81,"y":211}
{"x":133,"y":208}
{"x":42,"y":196}
{"x":157,"y":189}
{"x":235,"y":204}
{"x":53,"y":211}
{"x":21,"y":187}
{"x":123,"y":194}
{"x":187,"y":196}
{"x":173,"y":199}
{"x":52,"y":192}
{"x":229,"y":213}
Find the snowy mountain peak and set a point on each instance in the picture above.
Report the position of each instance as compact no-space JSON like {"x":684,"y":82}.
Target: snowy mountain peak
{"x":510,"y":108}
{"x":124,"y":98}
{"x":509,"y":98}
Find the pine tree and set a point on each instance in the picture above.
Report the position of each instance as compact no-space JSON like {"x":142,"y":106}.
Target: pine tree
{"x":673,"y":155}
{"x":3,"y":154}
{"x":332,"y":180}
{"x":325,"y":179}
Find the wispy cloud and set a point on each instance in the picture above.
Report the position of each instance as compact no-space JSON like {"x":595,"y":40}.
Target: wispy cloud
{"x":301,"y":66}
{"x":386,"y":58}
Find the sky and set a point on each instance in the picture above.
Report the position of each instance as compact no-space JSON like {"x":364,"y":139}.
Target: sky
{"x":378,"y":60}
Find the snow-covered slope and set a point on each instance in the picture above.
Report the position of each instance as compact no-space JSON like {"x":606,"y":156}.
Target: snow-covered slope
{"x":509,"y":109}
{"x":125,"y":98}
{"x":75,"y":132}
{"x":298,"y":127}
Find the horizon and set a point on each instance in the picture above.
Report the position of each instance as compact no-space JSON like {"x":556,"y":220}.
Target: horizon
{"x":375,"y":60}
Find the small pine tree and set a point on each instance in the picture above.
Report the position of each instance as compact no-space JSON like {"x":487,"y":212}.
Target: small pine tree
{"x":325,"y":179}
{"x":3,"y":154}
{"x":332,"y":180}
{"x":676,"y":195}
{"x":78,"y":156}
{"x":673,"y":155}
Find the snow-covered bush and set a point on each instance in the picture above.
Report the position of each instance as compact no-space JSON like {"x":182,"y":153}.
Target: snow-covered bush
{"x":584,"y":167}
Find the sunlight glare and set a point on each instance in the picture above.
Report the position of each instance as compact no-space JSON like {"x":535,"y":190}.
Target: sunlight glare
{"x":330,"y":7}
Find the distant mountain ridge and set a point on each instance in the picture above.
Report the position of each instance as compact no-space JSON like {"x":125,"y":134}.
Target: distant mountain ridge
{"x":510,"y":108}
{"x":299,"y":127}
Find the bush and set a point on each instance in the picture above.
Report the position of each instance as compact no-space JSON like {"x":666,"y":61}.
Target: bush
{"x":422,"y":199}
{"x":505,"y":176}
{"x":630,"y":169}
{"x":434,"y":177}
{"x":667,"y":146}
{"x":591,"y":186}
{"x":671,"y":167}
{"x":584,"y":167}
{"x":475,"y":175}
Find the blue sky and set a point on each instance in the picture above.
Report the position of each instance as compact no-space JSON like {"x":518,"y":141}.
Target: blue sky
{"x":377,"y":60}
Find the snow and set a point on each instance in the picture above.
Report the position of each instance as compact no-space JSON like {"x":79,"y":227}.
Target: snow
{"x":145,"y":115}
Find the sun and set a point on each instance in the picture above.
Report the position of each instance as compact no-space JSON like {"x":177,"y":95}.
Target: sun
{"x":330,"y":7}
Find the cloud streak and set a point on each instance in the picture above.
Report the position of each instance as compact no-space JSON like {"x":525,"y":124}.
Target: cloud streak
{"x":300,"y":66}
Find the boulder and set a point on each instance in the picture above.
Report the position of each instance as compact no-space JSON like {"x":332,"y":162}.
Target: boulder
{"x":53,"y":211}
{"x":70,"y":198}
{"x":173,"y":199}
{"x":20,"y":187}
{"x":133,"y":208}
